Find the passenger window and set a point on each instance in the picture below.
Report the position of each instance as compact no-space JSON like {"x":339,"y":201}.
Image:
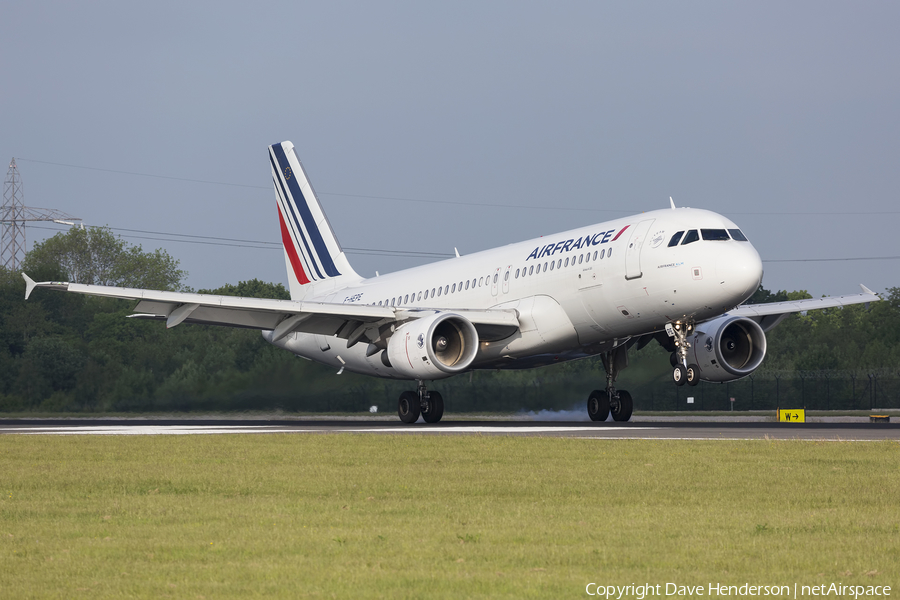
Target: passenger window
{"x":545,"y":267}
{"x":420,"y":295}
{"x":460,"y":286}
{"x":580,"y":258}
{"x":432,"y":292}
{"x":473,"y":284}
{"x":506,"y":277}
{"x":602,"y":253}
{"x":426,"y":294}
{"x":551,"y":266}
{"x":453,"y":289}
{"x":446,"y":290}
{"x":467,"y":284}
{"x":559,"y":264}
{"x":607,"y":254}
{"x":439,"y":291}
{"x":480,"y":279}
{"x":406,"y":299}
{"x":379,"y":303}
{"x":517,"y":273}
{"x":691,"y":237}
{"x":496,"y":277}
{"x":714,"y":235}
{"x":737,"y":235}
{"x":675,"y":239}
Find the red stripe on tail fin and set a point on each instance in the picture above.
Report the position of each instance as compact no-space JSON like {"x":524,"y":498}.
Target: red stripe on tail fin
{"x":299,"y":273}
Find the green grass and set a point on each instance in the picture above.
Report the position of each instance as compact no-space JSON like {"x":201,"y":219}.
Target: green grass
{"x":411,"y":516}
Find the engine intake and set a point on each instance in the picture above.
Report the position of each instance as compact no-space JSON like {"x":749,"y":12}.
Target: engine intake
{"x":433,"y":347}
{"x":728,"y":348}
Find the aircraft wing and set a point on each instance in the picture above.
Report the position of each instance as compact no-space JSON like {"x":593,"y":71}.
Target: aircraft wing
{"x":770,"y":314}
{"x":281,"y":316}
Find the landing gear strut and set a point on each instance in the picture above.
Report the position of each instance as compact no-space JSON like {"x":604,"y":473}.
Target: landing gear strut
{"x":421,"y":402}
{"x":682,"y":371}
{"x":618,"y":402}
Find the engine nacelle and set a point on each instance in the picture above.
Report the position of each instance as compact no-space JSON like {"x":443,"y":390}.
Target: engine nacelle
{"x":728,"y":348}
{"x":433,"y":347}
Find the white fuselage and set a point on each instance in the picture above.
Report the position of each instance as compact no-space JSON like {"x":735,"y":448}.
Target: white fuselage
{"x":577,"y":293}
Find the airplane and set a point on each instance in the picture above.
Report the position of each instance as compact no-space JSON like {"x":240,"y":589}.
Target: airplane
{"x":676,"y":275}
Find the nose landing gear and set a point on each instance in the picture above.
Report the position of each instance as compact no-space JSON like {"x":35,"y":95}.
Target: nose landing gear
{"x":682,"y":371}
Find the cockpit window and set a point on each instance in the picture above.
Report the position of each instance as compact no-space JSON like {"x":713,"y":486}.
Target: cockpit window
{"x":737,"y":235}
{"x":714,"y":235}
{"x":675,"y":239}
{"x":691,"y":237}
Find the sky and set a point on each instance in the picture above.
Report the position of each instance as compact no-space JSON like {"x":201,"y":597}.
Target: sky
{"x":428,"y":126}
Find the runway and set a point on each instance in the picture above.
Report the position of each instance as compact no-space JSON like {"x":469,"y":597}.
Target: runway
{"x":656,"y":430}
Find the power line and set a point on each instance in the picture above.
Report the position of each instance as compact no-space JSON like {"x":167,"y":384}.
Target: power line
{"x":55,"y":164}
{"x":447,"y":202}
{"x":263,"y":245}
{"x":260,"y":187}
{"x":260,"y":245}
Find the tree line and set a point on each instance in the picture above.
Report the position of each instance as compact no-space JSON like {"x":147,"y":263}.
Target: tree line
{"x":72,"y":353}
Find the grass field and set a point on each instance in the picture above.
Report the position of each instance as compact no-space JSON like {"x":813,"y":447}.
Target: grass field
{"x":428,"y":516}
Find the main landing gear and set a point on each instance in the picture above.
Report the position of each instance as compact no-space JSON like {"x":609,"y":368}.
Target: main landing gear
{"x":618,"y":402}
{"x":682,"y":371}
{"x":421,"y":402}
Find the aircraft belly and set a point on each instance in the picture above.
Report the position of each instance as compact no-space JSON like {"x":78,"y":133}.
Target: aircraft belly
{"x":545,"y":327}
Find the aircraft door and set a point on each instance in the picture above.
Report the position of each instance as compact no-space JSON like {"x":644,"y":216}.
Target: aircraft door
{"x":506,"y":277}
{"x":495,"y":279}
{"x":633,"y":251}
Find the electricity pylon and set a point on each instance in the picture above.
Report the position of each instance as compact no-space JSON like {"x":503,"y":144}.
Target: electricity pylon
{"x":15,"y":214}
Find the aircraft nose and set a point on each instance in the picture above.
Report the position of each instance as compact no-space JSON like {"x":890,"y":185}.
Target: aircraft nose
{"x":740,"y":270}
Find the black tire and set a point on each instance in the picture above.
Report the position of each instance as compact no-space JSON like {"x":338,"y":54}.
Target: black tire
{"x":679,"y":375}
{"x":692,"y":375}
{"x":434,"y":408}
{"x":409,"y":407}
{"x":673,"y":358}
{"x":598,"y":405}
{"x":623,"y":407}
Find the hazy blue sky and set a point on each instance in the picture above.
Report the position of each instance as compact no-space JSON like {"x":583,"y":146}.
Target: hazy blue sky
{"x":781,"y":115}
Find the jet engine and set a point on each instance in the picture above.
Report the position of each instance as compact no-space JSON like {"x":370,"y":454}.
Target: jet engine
{"x":728,"y":348}
{"x":433,"y":347}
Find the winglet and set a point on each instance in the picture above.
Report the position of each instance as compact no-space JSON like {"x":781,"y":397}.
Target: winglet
{"x":29,"y":285}
{"x":867,"y":290}
{"x":672,"y":202}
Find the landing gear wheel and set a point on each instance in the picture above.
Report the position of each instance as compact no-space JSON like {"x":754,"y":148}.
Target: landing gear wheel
{"x":692,"y":375}
{"x":673,"y":359}
{"x":434,"y":408}
{"x":409,"y":407}
{"x":679,"y":375}
{"x":622,"y":407}
{"x":598,"y":405}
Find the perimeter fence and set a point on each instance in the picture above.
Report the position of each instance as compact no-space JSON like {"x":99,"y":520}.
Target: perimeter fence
{"x":814,"y":390}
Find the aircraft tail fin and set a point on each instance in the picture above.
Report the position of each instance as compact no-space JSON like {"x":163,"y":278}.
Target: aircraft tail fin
{"x":314,"y":257}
